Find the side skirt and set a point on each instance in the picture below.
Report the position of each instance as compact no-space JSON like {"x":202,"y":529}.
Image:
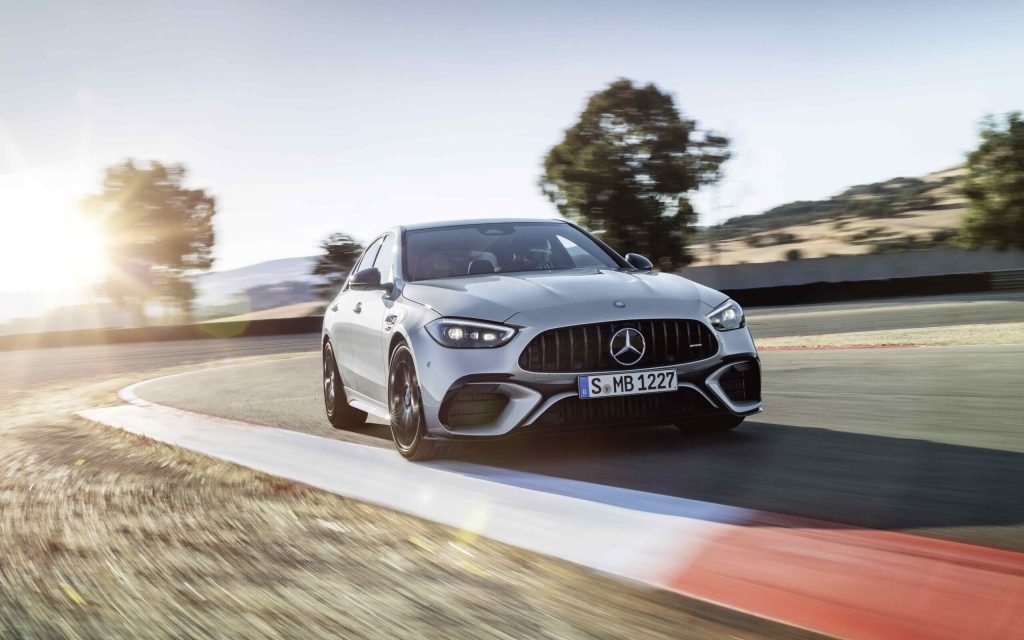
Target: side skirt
{"x":364,"y":403}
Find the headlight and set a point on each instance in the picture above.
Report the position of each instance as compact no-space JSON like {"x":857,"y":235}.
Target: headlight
{"x":469,"y":334}
{"x":727,"y":316}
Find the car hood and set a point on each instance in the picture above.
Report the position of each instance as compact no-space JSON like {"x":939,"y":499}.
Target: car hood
{"x":573,"y":296}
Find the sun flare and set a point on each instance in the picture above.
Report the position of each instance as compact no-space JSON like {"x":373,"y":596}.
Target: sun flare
{"x":46,"y":244}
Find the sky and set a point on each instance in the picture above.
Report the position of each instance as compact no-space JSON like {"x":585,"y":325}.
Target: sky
{"x":305,"y":118}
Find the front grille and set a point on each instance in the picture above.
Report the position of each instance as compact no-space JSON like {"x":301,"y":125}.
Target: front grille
{"x":649,"y":408}
{"x":742,"y":382}
{"x":473,"y":408}
{"x":587,"y":347}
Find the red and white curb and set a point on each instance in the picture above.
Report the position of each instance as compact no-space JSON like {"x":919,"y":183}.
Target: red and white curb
{"x":836,"y":580}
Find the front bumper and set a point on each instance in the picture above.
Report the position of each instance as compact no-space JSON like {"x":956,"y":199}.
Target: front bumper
{"x":529,"y":398}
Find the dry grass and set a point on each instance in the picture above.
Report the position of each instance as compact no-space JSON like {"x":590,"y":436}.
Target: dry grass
{"x":107,"y":535}
{"x":298,"y":310}
{"x":846,"y":236}
{"x":824,"y":239}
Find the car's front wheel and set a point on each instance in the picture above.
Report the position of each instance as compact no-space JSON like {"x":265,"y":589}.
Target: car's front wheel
{"x":408,"y":428}
{"x":339,"y":413}
{"x":711,"y":424}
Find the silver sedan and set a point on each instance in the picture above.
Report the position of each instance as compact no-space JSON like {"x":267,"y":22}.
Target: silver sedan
{"x":481,"y":329}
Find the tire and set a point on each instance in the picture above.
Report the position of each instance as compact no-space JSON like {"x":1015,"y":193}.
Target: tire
{"x":408,"y":428}
{"x":339,"y":413}
{"x":711,"y":424}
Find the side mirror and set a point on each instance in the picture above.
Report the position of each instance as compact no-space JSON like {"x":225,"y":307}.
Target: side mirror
{"x":637,"y":261}
{"x":366,"y":280}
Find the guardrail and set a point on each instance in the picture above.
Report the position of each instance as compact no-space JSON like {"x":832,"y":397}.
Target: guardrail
{"x":1007,"y":280}
{"x":759,"y":297}
{"x":207,"y":330}
{"x":814,"y":292}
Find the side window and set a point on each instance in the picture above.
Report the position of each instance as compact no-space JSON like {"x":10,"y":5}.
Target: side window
{"x":578,"y":255}
{"x":365,"y":260}
{"x":385,"y":261}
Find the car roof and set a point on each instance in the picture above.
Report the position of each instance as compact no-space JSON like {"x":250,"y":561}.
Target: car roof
{"x":456,"y":223}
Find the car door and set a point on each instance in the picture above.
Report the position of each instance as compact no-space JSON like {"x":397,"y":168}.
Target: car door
{"x":343,"y":316}
{"x":368,"y":336}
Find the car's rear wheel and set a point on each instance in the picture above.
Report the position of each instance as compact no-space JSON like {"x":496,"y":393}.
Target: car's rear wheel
{"x":339,"y":413}
{"x":408,"y":428}
{"x":710,"y":424}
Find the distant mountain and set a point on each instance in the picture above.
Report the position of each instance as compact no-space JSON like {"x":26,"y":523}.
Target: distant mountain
{"x":266,"y":284}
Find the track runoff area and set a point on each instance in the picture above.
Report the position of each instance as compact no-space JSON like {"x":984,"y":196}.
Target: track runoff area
{"x":824,"y":574}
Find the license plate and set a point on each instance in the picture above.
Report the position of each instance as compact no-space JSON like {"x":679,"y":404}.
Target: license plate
{"x":626,"y":384}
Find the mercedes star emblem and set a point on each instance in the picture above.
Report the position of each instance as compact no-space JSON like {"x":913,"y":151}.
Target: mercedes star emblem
{"x":628,"y":346}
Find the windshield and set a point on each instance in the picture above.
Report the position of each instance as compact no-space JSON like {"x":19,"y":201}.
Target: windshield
{"x":507,"y":247}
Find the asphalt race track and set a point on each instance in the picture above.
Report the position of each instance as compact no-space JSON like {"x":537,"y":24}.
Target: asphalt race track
{"x":28,"y":367}
{"x":925,"y":440}
{"x":896,"y":313}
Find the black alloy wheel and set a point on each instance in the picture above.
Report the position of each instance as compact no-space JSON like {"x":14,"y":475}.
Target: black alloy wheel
{"x":405,"y":403}
{"x":339,"y":413}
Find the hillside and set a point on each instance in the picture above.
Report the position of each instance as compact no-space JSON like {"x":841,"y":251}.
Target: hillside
{"x":901,"y":214}
{"x":259,"y":286}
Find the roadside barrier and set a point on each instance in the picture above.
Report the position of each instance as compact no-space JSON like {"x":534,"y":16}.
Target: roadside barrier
{"x":207,"y":330}
{"x":814,"y":292}
{"x":809,"y":293}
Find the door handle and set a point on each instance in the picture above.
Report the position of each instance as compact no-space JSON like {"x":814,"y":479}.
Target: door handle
{"x":334,"y":307}
{"x":358,"y":308}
